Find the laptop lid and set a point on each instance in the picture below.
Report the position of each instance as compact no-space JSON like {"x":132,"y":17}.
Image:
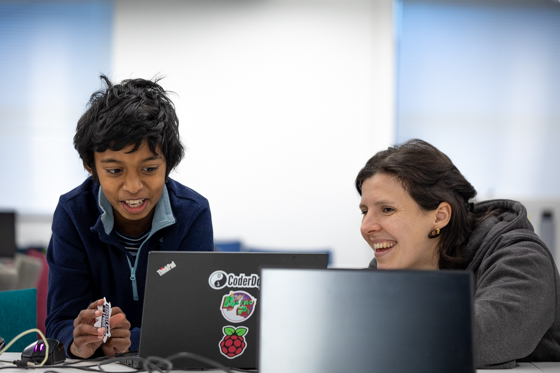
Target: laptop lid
{"x":207,"y":303}
{"x":366,"y":321}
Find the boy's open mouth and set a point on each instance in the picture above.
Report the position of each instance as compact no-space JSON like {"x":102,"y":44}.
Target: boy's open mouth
{"x":134,"y":202}
{"x":135,"y":206}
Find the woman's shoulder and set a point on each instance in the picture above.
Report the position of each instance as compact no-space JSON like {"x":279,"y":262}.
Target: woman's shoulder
{"x":502,"y":215}
{"x":500,"y":205}
{"x":505,"y":231}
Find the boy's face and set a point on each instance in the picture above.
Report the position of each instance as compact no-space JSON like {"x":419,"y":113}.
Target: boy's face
{"x":133,"y":184}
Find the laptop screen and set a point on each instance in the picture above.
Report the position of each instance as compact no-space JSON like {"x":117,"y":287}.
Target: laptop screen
{"x":208,"y":303}
{"x":366,"y":321}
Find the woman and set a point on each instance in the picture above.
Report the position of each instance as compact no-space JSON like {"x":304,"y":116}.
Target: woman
{"x":417,"y":214}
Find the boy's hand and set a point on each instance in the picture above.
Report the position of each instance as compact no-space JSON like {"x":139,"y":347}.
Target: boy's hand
{"x":119,"y":341}
{"x":87,"y":338}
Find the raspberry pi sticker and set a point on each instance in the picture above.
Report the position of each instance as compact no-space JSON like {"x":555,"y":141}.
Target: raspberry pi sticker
{"x":233,"y":343}
{"x":238,"y":306}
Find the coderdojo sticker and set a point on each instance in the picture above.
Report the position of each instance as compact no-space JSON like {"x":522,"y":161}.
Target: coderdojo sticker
{"x":220,"y":279}
{"x":233,"y":343}
{"x":238,"y":306}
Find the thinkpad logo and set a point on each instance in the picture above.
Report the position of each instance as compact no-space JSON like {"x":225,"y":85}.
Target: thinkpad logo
{"x":166,"y":268}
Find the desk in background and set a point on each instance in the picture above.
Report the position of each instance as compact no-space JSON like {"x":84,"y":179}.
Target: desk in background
{"x":116,"y":367}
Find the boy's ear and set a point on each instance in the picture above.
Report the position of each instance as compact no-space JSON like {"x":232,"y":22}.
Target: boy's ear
{"x":88,"y":169}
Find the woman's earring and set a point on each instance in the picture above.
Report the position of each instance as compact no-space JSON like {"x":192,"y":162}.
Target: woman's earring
{"x":433,"y":234}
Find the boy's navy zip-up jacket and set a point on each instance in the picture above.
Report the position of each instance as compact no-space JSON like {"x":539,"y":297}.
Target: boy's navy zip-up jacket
{"x":87,"y":262}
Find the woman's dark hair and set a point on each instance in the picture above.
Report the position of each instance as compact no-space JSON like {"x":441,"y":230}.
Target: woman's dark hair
{"x":430,"y":178}
{"x":131,"y":112}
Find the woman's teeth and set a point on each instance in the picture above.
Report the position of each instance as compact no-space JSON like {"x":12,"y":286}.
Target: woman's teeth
{"x":383,"y":245}
{"x":134,"y":202}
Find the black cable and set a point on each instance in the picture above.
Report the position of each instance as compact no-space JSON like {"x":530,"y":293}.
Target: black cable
{"x":146,"y":364}
{"x":150,"y":364}
{"x":161,"y":365}
{"x":200,"y":358}
{"x":100,"y":358}
{"x":24,"y":365}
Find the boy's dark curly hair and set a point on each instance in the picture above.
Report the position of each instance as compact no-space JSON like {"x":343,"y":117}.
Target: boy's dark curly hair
{"x":131,"y":112}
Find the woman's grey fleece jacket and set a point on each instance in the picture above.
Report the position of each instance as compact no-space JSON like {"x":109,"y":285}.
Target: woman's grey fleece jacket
{"x":517,"y":300}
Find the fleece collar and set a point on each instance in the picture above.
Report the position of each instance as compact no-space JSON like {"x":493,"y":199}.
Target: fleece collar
{"x":163,"y":215}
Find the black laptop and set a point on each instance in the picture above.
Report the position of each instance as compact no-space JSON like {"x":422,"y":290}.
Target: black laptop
{"x":207,"y":303}
{"x":366,"y":321}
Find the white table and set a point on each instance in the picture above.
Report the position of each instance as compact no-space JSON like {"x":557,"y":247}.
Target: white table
{"x":548,"y":367}
{"x":115,"y":367}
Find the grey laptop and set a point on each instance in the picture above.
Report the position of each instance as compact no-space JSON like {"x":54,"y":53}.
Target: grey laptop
{"x":366,"y":321}
{"x":208,"y":303}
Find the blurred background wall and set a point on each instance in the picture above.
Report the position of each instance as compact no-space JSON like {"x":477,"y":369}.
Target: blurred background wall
{"x":480,"y":80}
{"x":281,"y":102}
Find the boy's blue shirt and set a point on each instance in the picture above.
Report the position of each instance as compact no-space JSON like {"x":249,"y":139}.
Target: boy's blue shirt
{"x":87,"y":262}
{"x":163,"y":217}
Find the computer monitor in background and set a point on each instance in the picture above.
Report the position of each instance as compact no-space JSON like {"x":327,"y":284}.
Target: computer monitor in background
{"x":7,"y":234}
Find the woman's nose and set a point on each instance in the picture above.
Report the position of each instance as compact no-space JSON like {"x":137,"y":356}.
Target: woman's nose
{"x":370,"y":225}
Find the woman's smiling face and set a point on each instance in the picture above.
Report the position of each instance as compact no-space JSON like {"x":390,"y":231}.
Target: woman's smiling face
{"x":396,"y":227}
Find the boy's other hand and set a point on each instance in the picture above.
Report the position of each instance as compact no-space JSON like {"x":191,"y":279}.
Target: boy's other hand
{"x":119,"y":341}
{"x":87,"y":338}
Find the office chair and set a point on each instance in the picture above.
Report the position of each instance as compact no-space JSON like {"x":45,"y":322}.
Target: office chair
{"x":18,"y":313}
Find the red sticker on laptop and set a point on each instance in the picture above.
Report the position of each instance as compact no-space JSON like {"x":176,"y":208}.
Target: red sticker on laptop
{"x":103,"y":320}
{"x":233,"y":344}
{"x":238,"y":306}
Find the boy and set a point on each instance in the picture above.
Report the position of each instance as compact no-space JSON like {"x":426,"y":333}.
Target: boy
{"x":128,"y":140}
